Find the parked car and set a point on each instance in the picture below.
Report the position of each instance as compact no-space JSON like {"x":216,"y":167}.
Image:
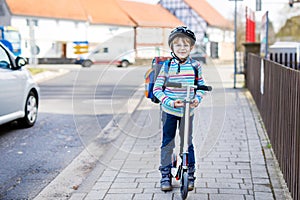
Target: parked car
{"x":201,"y":57}
{"x":19,"y":97}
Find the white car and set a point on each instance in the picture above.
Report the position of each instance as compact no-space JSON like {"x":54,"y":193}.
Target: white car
{"x":19,"y":94}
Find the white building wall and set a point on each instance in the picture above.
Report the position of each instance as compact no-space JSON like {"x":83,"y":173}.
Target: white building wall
{"x":152,"y":42}
{"x":225,"y":40}
{"x":51,"y":34}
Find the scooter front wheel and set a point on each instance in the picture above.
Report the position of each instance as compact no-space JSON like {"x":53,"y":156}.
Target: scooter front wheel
{"x":184,"y":185}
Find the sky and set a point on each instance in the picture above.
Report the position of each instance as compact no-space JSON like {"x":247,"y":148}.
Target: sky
{"x":279,"y":10}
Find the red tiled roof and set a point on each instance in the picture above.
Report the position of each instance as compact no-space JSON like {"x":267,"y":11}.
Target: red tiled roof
{"x":113,"y":12}
{"x":209,"y":13}
{"x":47,"y":8}
{"x":96,"y":11}
{"x":106,"y":12}
{"x":149,"y":15}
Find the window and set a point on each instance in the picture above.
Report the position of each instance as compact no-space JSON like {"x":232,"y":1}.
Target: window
{"x":4,"y":60}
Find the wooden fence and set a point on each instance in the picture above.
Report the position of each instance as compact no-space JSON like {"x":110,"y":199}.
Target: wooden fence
{"x":277,"y":96}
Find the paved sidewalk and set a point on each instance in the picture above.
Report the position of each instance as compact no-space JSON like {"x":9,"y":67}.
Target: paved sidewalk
{"x":233,"y":158}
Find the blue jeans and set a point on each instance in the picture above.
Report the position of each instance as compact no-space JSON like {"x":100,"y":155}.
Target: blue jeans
{"x":170,"y":124}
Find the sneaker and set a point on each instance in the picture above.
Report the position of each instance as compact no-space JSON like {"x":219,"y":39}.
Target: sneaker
{"x":191,"y":183}
{"x":165,"y":185}
{"x":166,"y":179}
{"x":191,"y":171}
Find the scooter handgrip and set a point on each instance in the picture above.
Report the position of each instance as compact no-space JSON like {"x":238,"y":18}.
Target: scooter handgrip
{"x":173,"y":84}
{"x":204,"y":87}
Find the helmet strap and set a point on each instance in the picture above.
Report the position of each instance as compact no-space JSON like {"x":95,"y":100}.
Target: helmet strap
{"x":177,"y":58}
{"x":179,"y":61}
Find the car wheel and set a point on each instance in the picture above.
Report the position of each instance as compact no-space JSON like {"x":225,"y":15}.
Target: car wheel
{"x":124,"y":63}
{"x":87,"y":63}
{"x":31,"y":111}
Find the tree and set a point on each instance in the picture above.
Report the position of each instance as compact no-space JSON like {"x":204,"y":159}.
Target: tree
{"x":290,"y":31}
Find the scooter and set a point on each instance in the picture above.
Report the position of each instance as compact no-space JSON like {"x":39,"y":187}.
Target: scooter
{"x":182,"y":170}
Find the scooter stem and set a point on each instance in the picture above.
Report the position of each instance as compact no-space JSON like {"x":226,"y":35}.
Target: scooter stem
{"x":186,"y":119}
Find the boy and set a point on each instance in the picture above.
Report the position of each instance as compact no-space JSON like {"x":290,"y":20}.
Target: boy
{"x":182,"y":69}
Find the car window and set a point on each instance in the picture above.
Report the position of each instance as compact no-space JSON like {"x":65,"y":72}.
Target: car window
{"x":3,"y":55}
{"x":4,"y":59}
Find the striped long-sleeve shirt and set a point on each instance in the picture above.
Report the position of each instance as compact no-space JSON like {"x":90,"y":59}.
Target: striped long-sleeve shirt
{"x":186,"y":76}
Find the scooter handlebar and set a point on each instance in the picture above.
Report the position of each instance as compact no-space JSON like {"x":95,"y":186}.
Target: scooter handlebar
{"x":174,"y":84}
{"x":180,"y":85}
{"x":204,"y":87}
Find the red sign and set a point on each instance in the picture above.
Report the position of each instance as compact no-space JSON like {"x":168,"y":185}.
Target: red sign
{"x":250,"y":25}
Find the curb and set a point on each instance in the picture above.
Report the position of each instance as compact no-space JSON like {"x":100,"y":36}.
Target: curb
{"x":47,"y":75}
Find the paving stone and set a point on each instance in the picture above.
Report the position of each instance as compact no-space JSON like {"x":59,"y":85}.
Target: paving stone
{"x":243,"y":175}
{"x":229,"y":171}
{"x":223,"y":185}
{"x":106,"y":178}
{"x":262,"y":188}
{"x":153,"y":174}
{"x":216,"y":175}
{"x":131,"y":175}
{"x":233,"y":191}
{"x":202,"y":190}
{"x":128,"y":185}
{"x":147,"y":180}
{"x":225,"y":197}
{"x":260,"y":174}
{"x":155,"y":190}
{"x":205,"y":180}
{"x":100,"y":185}
{"x":249,"y":197}
{"x":146,"y":185}
{"x":263,"y":196}
{"x":227,"y":180}
{"x":190,"y":196}
{"x":78,"y":196}
{"x":118,"y":196}
{"x":142,"y":196}
{"x":124,"y":179}
{"x":95,"y":195}
{"x":124,"y":190}
{"x":261,"y":181}
{"x":240,"y":166}
{"x":160,"y":196}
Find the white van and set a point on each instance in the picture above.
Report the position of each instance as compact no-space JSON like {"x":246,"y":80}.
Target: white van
{"x":119,"y":51}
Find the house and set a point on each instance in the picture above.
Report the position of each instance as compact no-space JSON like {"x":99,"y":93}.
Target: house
{"x":214,"y":33}
{"x":154,"y":24}
{"x":54,"y":26}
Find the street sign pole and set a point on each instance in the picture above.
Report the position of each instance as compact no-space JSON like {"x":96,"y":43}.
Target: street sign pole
{"x":235,"y":42}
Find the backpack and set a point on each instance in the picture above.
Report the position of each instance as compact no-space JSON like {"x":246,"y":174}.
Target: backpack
{"x":151,"y":76}
{"x":152,"y":73}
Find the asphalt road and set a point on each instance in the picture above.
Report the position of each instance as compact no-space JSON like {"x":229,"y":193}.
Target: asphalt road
{"x":74,"y":108}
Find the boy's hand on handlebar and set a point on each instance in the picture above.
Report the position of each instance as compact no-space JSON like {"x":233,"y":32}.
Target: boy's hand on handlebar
{"x":194,"y":103}
{"x":178,"y":103}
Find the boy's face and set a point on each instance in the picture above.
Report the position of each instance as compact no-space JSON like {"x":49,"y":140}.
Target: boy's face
{"x":182,"y":47}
